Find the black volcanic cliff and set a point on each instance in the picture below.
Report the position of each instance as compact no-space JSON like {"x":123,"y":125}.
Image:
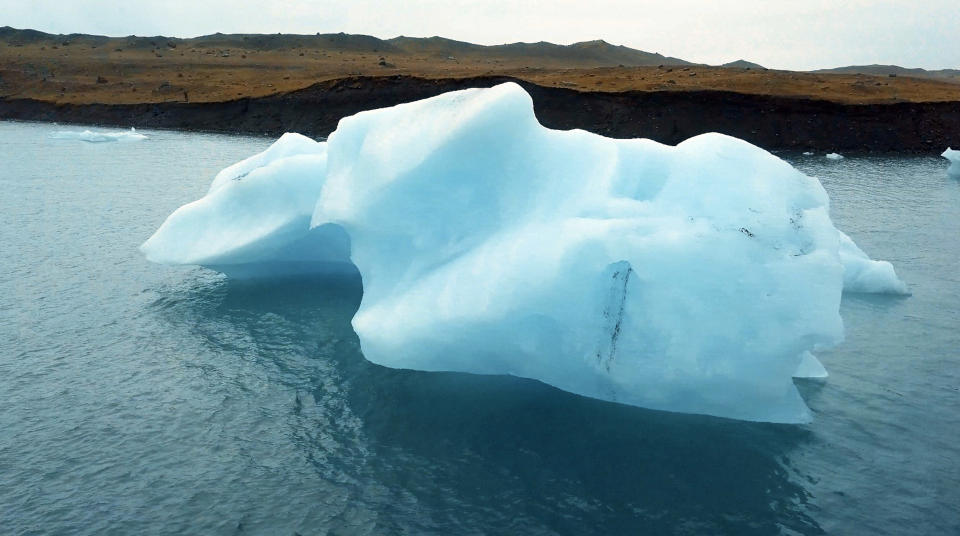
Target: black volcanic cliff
{"x":668,"y":117}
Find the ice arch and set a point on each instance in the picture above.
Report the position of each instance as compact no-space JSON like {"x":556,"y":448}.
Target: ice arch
{"x":694,"y":278}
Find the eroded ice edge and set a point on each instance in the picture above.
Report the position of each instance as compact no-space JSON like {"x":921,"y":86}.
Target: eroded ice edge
{"x":695,"y":278}
{"x":953,"y":156}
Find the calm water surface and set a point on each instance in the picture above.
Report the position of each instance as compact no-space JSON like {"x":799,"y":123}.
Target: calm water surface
{"x":141,"y":399}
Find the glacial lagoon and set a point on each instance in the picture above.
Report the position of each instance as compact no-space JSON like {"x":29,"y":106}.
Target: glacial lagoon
{"x":141,"y":398}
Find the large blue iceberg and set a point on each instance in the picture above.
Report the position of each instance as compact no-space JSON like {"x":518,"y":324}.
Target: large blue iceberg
{"x":697,"y":278}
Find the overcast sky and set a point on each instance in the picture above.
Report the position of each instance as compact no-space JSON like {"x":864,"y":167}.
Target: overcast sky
{"x":784,"y":34}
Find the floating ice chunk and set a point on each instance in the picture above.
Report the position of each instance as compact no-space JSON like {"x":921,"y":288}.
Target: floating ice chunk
{"x":834,"y":156}
{"x":256,"y":217}
{"x":810,"y":367}
{"x":861,"y":274}
{"x":807,"y":153}
{"x":953,"y":156}
{"x":689,"y":278}
{"x":98,"y":137}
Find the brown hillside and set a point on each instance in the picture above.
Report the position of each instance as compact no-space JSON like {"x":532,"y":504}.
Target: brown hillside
{"x":87,"y":69}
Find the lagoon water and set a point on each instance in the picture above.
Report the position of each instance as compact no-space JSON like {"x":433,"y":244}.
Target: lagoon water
{"x":139,"y":398}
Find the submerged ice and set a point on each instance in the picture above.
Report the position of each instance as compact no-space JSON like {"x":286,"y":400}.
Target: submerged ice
{"x":695,"y":278}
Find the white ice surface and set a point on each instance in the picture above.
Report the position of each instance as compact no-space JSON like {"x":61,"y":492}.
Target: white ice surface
{"x":691,"y":278}
{"x":98,"y":136}
{"x":953,"y":156}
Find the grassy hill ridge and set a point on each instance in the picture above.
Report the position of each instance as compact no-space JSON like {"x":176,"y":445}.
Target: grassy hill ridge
{"x":78,"y":68}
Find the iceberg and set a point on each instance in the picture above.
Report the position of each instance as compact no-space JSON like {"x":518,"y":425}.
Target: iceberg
{"x":98,"y":137}
{"x":953,"y":156}
{"x":696,"y":278}
{"x":834,"y":156}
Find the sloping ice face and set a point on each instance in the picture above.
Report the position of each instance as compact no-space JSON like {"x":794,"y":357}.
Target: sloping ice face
{"x":694,"y":278}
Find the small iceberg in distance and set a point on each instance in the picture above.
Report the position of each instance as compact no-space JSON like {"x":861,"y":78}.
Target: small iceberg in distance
{"x":694,"y":278}
{"x":834,"y":156}
{"x":91,"y":136}
{"x":953,"y":156}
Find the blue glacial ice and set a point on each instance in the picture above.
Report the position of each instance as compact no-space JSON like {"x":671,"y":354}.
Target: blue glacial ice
{"x":696,"y":278}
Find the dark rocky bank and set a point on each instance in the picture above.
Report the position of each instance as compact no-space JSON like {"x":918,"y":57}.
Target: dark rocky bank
{"x":670,"y":117}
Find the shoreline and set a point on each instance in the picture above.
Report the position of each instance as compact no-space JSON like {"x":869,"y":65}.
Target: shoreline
{"x":770,"y":122}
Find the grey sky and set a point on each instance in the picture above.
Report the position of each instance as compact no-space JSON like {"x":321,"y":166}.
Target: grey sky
{"x":784,"y":34}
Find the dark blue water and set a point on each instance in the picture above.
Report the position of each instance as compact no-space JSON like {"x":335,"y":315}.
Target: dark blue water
{"x":138,"y":398}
